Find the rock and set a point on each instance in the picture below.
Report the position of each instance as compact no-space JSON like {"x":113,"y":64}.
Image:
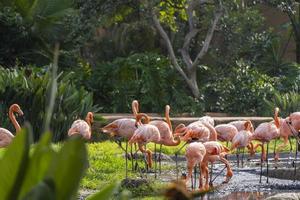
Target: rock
{"x":134,"y":183}
{"x":139,"y":155}
{"x":285,"y":196}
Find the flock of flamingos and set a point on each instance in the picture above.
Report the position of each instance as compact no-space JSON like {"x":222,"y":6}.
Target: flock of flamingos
{"x":201,"y":137}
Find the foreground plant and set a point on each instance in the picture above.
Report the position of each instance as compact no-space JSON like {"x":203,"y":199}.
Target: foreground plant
{"x":44,"y":173}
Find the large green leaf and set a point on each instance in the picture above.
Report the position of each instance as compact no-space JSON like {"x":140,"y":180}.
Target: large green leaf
{"x":39,"y":164}
{"x":13,"y":166}
{"x":67,"y":168}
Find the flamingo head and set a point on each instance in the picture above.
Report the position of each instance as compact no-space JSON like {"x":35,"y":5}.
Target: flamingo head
{"x":16,"y":108}
{"x":90,"y":117}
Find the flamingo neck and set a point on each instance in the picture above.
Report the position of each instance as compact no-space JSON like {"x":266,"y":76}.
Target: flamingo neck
{"x":167,"y":114}
{"x":14,"y":121}
{"x":88,"y":121}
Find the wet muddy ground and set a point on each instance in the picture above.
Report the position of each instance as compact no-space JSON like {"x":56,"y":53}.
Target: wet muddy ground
{"x":245,"y":182}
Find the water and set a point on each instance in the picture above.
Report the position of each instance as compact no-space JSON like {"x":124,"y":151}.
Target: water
{"x":238,"y":196}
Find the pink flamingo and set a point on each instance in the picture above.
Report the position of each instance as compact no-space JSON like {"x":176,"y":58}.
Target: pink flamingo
{"x":6,"y":136}
{"x":226,"y":132}
{"x":243,"y":139}
{"x":144,"y":134}
{"x":265,"y":132}
{"x":194,"y":154}
{"x":288,"y":127}
{"x":165,"y":129}
{"x":82,"y":127}
{"x":166,"y":134}
{"x":124,"y":127}
{"x":203,"y":131}
{"x":240,"y":125}
{"x":207,"y":119}
{"x":294,"y":118}
{"x":215,"y":152}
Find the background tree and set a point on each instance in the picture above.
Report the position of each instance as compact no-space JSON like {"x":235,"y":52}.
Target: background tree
{"x":193,"y":10}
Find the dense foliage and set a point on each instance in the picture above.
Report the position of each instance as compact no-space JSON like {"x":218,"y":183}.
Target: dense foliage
{"x":112,"y":49}
{"x":147,"y":77}
{"x":30,"y":89}
{"x":243,"y":91}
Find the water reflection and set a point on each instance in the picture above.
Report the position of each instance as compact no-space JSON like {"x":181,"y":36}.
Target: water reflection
{"x":237,"y":196}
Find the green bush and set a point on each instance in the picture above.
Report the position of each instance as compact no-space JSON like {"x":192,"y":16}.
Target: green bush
{"x":147,"y":77}
{"x":29,"y":88}
{"x":286,"y":102}
{"x":243,"y":91}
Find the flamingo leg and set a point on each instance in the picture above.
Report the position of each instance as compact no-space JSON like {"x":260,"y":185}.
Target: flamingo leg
{"x":211,"y":174}
{"x":155,"y":161}
{"x":295,"y":160}
{"x":274,"y":152}
{"x":205,"y":170}
{"x":190,"y":166}
{"x":159,"y":159}
{"x":261,"y":161}
{"x":200,"y":177}
{"x":267,"y":162}
{"x":291,"y":148}
{"x":195,"y":175}
{"x":243,"y":151}
{"x":126,"y":160}
{"x":238,"y":157}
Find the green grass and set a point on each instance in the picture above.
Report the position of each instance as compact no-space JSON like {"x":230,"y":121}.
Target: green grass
{"x":107,"y":164}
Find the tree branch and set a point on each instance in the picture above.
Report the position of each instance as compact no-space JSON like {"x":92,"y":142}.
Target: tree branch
{"x":169,"y":45}
{"x":185,"y":48}
{"x":208,"y":37}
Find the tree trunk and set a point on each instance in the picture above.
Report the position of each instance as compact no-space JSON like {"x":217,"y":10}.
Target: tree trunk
{"x":192,"y":83}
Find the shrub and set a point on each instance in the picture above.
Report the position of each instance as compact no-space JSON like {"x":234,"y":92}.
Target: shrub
{"x":147,"y":77}
{"x":29,"y":88}
{"x":243,"y":91}
{"x":287,"y":103}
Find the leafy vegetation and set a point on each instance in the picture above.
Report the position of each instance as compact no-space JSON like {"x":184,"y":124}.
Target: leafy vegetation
{"x":40,"y":172}
{"x":286,"y":102}
{"x":30,"y":89}
{"x":243,"y":91}
{"x":146,"y":77}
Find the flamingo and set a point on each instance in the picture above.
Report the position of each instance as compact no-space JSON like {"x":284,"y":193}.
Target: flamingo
{"x":194,"y":154}
{"x":265,"y":132}
{"x":226,"y":132}
{"x":294,"y":118}
{"x":243,"y":139}
{"x":165,"y":129}
{"x":207,"y":119}
{"x":200,"y":130}
{"x":124,"y":128}
{"x":215,"y":152}
{"x":82,"y":127}
{"x":166,"y":133}
{"x":289,"y":126}
{"x":6,"y":136}
{"x":144,"y":134}
{"x":240,"y":125}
